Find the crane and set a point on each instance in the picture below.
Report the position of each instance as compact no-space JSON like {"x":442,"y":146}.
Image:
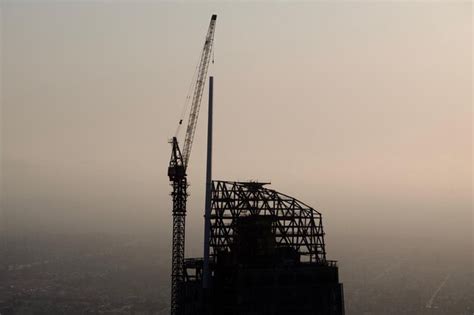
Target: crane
{"x":177,"y":175}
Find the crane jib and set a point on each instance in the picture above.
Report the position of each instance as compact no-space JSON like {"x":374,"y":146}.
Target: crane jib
{"x":198,"y":91}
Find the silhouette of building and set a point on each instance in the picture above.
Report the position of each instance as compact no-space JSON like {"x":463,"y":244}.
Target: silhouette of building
{"x":267,"y":257}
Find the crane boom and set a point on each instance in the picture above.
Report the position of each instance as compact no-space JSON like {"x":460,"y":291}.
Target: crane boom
{"x":198,"y":90}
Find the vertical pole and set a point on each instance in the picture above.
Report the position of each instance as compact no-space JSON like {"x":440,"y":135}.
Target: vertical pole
{"x":207,"y":214}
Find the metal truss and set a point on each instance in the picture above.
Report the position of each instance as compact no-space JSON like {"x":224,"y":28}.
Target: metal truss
{"x":295,"y":224}
{"x":179,"y":195}
{"x":177,"y":175}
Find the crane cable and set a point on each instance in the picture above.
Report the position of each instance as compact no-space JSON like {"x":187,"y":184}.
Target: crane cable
{"x":186,"y":101}
{"x":188,"y":96}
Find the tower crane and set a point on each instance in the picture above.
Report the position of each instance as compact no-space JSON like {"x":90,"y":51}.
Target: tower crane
{"x":177,"y":174}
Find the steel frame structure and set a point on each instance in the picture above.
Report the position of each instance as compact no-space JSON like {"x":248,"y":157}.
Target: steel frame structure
{"x":296,"y":224}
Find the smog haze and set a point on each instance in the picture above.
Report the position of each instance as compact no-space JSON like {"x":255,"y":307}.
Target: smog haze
{"x":362,"y":110}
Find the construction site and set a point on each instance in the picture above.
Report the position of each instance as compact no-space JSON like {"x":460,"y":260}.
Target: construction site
{"x":264,"y":251}
{"x":321,"y":157}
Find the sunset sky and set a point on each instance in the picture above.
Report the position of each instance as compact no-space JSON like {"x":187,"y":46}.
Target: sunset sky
{"x":362,"y":110}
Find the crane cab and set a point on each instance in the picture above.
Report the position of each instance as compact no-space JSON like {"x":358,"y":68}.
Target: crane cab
{"x":176,"y":172}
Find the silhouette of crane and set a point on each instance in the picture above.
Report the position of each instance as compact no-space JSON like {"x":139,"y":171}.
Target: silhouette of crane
{"x":177,"y":174}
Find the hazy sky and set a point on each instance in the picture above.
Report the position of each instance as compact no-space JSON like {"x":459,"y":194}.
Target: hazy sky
{"x":360,"y":109}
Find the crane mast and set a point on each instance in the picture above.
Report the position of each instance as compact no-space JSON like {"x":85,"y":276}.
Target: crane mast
{"x":178,"y":177}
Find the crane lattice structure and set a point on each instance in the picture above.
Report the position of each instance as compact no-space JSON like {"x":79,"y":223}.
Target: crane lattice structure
{"x":177,"y":175}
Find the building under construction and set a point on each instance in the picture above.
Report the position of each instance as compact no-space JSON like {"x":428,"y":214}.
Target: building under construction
{"x":264,"y":251}
{"x":267,"y":257}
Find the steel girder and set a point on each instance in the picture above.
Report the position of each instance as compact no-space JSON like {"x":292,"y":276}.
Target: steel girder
{"x":295,"y":224}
